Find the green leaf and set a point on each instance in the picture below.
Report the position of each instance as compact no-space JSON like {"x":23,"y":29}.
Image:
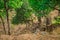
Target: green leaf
{"x":15,"y":3}
{"x":3,"y":14}
{"x":1,"y":4}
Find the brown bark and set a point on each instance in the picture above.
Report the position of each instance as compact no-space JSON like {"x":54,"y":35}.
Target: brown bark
{"x":6,"y":8}
{"x":39,"y":23}
{"x":3,"y":24}
{"x":49,"y":25}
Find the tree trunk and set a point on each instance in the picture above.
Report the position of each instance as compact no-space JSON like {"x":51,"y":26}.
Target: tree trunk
{"x":6,"y":8}
{"x":39,"y":23}
{"x":48,"y":25}
{"x":3,"y":24}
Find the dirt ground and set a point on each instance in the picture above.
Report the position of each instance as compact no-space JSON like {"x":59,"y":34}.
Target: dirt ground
{"x":30,"y":37}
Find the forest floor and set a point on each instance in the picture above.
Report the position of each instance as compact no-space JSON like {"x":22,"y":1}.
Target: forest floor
{"x":30,"y":36}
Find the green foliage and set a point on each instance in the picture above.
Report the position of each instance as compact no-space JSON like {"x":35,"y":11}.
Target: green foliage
{"x":11,"y":4}
{"x":38,"y":4}
{"x":43,"y":5}
{"x":22,"y":15}
{"x":40,"y":7}
{"x":1,"y":4}
{"x":3,"y":14}
{"x":14,"y":3}
{"x":56,"y":21}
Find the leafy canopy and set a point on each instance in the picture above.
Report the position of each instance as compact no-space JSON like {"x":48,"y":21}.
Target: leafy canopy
{"x":22,"y":15}
{"x":43,"y":5}
{"x":13,"y":4}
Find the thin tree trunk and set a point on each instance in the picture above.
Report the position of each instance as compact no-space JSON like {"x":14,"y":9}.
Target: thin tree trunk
{"x":6,"y":8}
{"x":3,"y":24}
{"x":39,"y":23}
{"x":48,"y":25}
